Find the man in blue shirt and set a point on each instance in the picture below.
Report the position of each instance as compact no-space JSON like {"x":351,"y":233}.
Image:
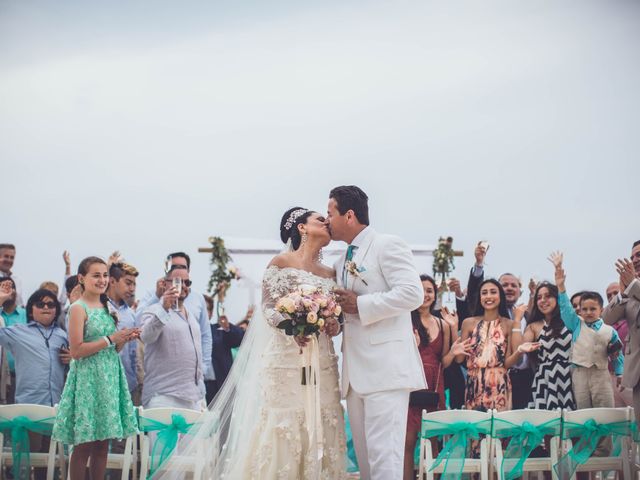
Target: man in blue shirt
{"x":122,"y":288}
{"x":11,"y":314}
{"x":40,"y":351}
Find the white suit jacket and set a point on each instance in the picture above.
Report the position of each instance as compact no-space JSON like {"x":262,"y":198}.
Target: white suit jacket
{"x":378,"y":346}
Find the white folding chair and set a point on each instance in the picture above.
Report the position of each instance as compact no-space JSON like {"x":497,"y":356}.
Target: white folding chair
{"x":37,"y":459}
{"x":187,"y":463}
{"x":504,"y":422}
{"x":439,"y":420}
{"x":604,"y":416}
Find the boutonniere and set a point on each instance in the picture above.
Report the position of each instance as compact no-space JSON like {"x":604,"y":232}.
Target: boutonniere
{"x":354,"y":270}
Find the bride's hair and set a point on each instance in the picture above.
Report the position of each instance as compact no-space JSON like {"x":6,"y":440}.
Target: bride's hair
{"x":289,"y":225}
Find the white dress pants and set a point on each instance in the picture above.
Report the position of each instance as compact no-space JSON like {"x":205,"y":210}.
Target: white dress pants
{"x":379,"y":426}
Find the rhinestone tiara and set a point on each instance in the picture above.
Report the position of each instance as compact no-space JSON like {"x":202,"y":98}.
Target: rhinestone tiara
{"x":293,"y":217}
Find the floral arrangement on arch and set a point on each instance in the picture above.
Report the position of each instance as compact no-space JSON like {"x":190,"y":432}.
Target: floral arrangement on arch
{"x":221,"y":274}
{"x":443,"y":258}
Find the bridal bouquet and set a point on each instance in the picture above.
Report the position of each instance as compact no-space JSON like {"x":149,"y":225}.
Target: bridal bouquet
{"x":306,"y":310}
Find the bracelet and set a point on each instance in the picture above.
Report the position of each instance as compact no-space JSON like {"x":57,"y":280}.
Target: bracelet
{"x":106,"y":340}
{"x":516,"y":330}
{"x":110,"y":341}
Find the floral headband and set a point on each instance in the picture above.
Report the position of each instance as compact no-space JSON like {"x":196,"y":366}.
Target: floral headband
{"x":293,"y":217}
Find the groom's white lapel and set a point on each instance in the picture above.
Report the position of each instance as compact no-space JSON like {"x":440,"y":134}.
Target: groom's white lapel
{"x":360,"y":253}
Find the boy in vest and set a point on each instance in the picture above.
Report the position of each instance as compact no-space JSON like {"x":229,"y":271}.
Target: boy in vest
{"x":593,"y":343}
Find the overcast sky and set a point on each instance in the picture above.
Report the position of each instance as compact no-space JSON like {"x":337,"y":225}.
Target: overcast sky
{"x":149,"y":126}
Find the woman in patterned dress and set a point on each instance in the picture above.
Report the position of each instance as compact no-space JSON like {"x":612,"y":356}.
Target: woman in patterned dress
{"x":95,"y":405}
{"x":496,"y":345}
{"x":552,"y":381}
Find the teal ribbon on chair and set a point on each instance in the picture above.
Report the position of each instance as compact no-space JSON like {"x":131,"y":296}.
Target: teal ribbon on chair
{"x":588,"y":434}
{"x":167,"y":438}
{"x":524,"y":438}
{"x":454,"y":450}
{"x":20,"y":427}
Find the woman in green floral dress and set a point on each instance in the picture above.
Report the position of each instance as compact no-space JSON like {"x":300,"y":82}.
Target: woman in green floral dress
{"x":95,"y":405}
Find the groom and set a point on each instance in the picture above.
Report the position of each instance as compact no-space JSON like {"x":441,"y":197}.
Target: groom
{"x":379,"y":286}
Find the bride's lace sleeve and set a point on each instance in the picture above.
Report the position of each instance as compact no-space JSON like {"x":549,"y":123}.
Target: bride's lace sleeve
{"x":273,"y":287}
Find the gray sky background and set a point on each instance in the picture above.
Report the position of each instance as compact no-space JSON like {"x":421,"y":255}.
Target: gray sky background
{"x":149,"y":126}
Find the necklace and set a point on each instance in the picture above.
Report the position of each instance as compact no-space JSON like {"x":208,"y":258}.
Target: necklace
{"x":46,"y":339}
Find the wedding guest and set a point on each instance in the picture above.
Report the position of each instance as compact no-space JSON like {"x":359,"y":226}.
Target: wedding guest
{"x":496,"y":345}
{"x":454,"y":378}
{"x":172,"y":349}
{"x":11,"y":314}
{"x":40,"y":351}
{"x":626,"y":304}
{"x":195,"y":305}
{"x":244,"y":324}
{"x":575,"y":301}
{"x":593,"y":343}
{"x":226,"y":337}
{"x":95,"y":405}
{"x":62,"y":295}
{"x":73,"y":292}
{"x":7,"y":258}
{"x":552,"y":387}
{"x":622,"y":396}
{"x":41,"y":356}
{"x":51,"y":286}
{"x":122,"y":286}
{"x":520,"y":374}
{"x":438,"y":345}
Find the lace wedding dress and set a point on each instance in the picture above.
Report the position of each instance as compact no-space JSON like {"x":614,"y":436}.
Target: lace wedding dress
{"x":281,"y":444}
{"x":266,"y":422}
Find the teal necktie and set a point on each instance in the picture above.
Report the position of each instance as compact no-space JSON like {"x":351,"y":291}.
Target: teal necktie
{"x":348,"y":258}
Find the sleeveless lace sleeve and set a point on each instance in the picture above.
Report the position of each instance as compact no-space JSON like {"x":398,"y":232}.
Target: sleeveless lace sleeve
{"x":274,"y":286}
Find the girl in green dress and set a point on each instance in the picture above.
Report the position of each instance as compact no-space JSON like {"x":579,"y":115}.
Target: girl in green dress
{"x":95,"y":405}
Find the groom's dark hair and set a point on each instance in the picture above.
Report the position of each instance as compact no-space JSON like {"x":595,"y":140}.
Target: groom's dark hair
{"x":350,"y":197}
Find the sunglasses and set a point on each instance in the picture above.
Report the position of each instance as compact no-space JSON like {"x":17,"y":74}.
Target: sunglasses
{"x":42,"y":304}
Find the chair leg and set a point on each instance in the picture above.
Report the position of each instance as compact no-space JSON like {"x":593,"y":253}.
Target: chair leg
{"x":484,"y":464}
{"x":51,"y":459}
{"x":126,"y":459}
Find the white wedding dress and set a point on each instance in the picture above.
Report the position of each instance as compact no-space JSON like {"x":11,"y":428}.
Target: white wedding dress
{"x":281,"y":444}
{"x":265,"y":423}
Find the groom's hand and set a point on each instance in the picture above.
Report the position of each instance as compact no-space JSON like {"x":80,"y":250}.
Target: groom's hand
{"x":348,"y":300}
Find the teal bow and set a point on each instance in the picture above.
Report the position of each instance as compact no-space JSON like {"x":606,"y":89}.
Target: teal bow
{"x":454,"y":450}
{"x":524,"y":438}
{"x":20,"y":427}
{"x":167,"y":438}
{"x":588,"y":435}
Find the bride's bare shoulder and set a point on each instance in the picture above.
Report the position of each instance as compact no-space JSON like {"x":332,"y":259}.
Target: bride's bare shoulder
{"x":282,"y":260}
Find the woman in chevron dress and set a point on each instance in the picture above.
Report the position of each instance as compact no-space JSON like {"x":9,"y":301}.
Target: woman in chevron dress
{"x":552,"y":381}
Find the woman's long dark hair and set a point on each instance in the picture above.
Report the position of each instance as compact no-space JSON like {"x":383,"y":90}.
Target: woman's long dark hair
{"x":83,"y":269}
{"x":502,"y":308}
{"x":423,"y":333}
{"x":556,"y":323}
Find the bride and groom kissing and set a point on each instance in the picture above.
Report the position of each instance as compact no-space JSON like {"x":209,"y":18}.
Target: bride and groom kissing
{"x":268,"y":422}
{"x":377,"y":286}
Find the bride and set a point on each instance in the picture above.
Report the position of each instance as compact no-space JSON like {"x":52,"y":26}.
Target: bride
{"x":267,"y":422}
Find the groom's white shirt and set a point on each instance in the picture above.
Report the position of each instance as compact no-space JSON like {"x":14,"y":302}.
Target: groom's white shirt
{"x":378,"y":346}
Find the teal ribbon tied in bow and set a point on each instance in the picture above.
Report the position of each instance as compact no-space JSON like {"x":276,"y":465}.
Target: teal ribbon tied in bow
{"x":166,"y":439}
{"x":588,"y":435}
{"x":454,"y":449}
{"x":524,"y":438}
{"x":20,"y":427}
